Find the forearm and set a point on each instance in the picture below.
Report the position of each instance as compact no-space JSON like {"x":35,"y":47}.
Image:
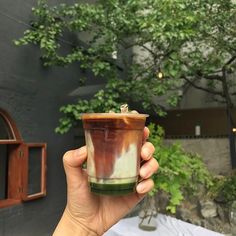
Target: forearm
{"x":68,"y":227}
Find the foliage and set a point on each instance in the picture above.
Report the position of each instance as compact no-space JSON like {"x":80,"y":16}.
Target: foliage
{"x":224,"y":188}
{"x":190,"y":42}
{"x":115,"y":93}
{"x":229,"y":189}
{"x":218,"y":182}
{"x":179,"y":173}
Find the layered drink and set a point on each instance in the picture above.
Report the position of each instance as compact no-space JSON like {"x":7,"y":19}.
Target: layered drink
{"x":114,"y":143}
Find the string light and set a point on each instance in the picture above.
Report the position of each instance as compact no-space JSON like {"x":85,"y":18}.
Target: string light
{"x":234,"y":130}
{"x":159,"y":75}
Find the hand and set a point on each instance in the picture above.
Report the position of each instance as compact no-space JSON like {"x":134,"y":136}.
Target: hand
{"x":89,"y":214}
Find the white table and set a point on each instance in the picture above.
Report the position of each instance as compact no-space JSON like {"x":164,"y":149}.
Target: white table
{"x":166,"y":226}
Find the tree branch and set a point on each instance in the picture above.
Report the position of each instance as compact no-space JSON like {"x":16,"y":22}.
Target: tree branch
{"x":219,"y":100}
{"x":149,"y":50}
{"x":209,"y":77}
{"x":233,"y":94}
{"x":203,"y":88}
{"x":143,"y":71}
{"x":229,"y":61}
{"x":200,"y":75}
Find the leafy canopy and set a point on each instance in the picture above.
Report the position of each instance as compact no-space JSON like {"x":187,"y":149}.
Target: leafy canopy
{"x":187,"y":41}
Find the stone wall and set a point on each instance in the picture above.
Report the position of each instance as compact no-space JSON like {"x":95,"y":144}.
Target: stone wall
{"x":214,"y":151}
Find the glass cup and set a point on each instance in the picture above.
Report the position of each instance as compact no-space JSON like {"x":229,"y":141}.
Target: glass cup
{"x":114,"y":143}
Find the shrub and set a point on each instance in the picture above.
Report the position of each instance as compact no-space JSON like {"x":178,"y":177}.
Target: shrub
{"x":224,"y":188}
{"x":229,"y":189}
{"x":179,"y":172}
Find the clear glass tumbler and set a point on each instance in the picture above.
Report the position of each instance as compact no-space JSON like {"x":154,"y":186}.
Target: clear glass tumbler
{"x":114,"y":143}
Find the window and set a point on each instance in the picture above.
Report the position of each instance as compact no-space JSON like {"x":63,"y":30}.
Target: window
{"x":22,"y":165}
{"x":5,"y":132}
{"x":34,"y":171}
{"x":3,"y":172}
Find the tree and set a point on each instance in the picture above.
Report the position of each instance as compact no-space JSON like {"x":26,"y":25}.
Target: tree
{"x":210,"y":60}
{"x":189,"y":42}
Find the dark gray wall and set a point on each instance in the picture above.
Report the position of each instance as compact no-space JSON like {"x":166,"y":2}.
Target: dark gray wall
{"x":32,"y":95}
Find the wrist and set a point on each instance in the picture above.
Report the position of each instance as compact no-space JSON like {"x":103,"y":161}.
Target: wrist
{"x":68,"y":226}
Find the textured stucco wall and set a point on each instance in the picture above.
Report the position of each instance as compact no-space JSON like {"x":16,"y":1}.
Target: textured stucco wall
{"x":214,"y":152}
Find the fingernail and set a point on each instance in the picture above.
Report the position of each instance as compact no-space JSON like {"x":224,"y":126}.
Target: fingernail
{"x":140,"y":187}
{"x":145,"y":172}
{"x":147,"y":154}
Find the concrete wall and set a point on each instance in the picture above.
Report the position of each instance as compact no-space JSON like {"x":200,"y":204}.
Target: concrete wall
{"x":32,"y":95}
{"x":214,"y":152}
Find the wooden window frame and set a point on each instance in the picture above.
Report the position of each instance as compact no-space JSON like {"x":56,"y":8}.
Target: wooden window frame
{"x":17,"y":183}
{"x":13,"y":128}
{"x":25,"y":171}
{"x":14,"y":176}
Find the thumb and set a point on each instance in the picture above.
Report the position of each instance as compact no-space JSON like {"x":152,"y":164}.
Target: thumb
{"x":73,"y":161}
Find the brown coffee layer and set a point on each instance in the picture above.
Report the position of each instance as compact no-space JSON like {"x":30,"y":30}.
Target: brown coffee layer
{"x":111,"y":136}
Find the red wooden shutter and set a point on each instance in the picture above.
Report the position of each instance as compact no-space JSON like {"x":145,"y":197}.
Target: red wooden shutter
{"x":34,"y":171}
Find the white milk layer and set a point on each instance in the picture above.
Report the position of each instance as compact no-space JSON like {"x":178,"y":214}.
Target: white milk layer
{"x":124,"y":169}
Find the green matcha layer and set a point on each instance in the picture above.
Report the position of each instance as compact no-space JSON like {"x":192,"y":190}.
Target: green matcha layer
{"x":112,"y":189}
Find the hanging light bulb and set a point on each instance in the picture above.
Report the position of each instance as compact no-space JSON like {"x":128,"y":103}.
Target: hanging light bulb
{"x":159,"y":75}
{"x":234,"y":130}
